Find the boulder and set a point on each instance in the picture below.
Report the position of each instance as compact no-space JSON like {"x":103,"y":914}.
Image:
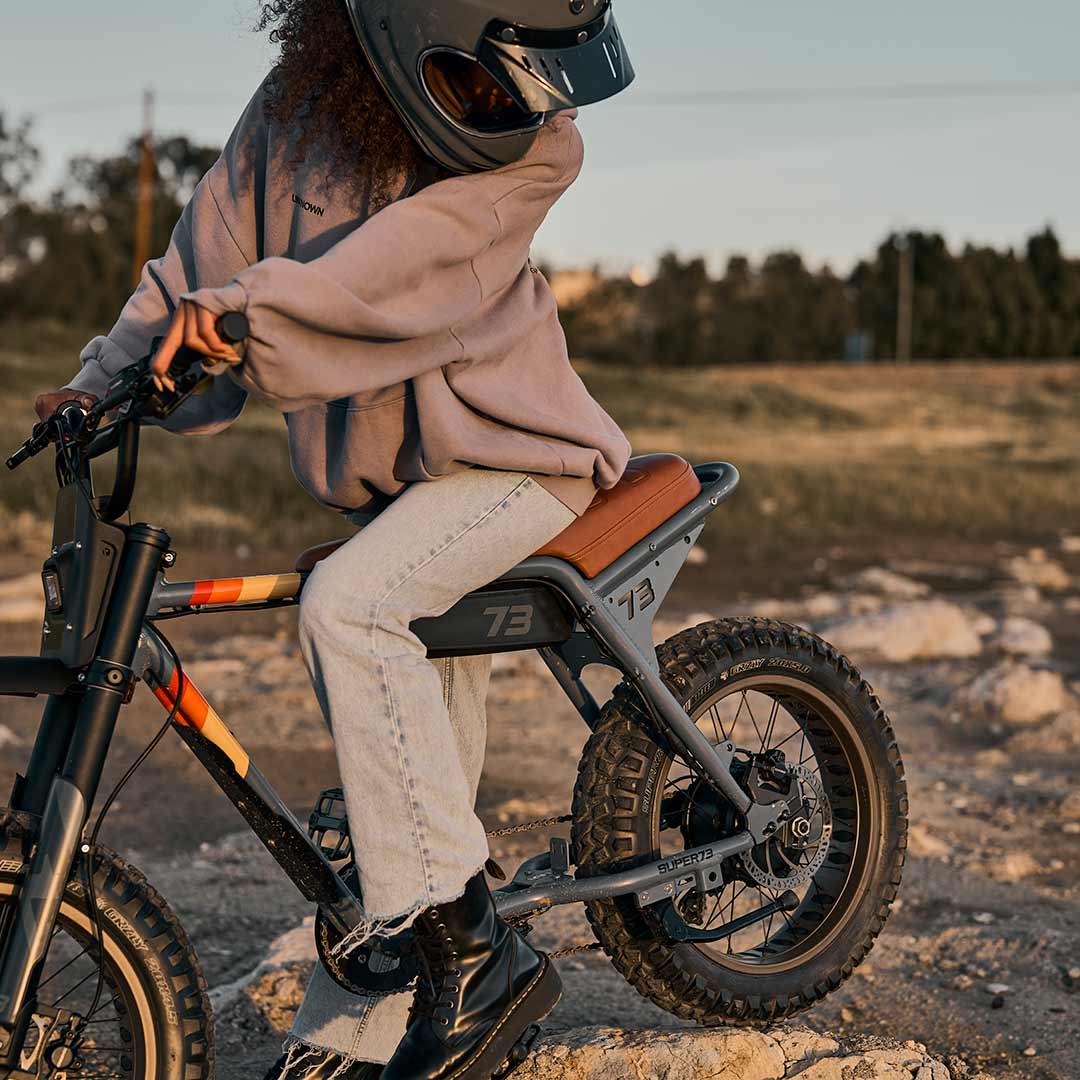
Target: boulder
{"x":724,"y":1054}
{"x":1015,"y":694}
{"x":924,"y":630}
{"x":275,"y":987}
{"x":1023,"y":637}
{"x":876,"y":579}
{"x":1038,"y":569}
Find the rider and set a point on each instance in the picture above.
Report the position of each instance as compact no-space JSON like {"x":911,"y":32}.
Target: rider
{"x":372,"y":215}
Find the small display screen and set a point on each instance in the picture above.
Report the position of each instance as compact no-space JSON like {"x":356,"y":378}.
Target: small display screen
{"x":54,"y":594}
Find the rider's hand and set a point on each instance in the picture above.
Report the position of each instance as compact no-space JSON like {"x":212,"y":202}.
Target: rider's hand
{"x":46,"y":404}
{"x":195,"y":328}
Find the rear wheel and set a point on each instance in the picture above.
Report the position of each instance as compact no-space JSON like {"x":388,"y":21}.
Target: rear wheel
{"x":151,"y":1018}
{"x":792,"y":705}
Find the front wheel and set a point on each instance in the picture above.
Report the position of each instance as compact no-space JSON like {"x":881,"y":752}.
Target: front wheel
{"x":791,"y":705}
{"x":150,"y":1019}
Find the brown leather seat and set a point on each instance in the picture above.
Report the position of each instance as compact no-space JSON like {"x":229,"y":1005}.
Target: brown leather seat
{"x":653,"y":488}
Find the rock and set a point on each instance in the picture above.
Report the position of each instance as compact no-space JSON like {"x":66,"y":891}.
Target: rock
{"x":823,"y":605}
{"x":925,"y":844}
{"x":925,"y":629}
{"x":1069,"y":807}
{"x":984,"y":625}
{"x":21,"y":599}
{"x":865,"y":604}
{"x":1015,"y":866}
{"x":997,"y":989}
{"x":1060,"y":734}
{"x":286,"y":965}
{"x":1070,"y":545}
{"x":876,"y":579}
{"x":950,"y":571}
{"x":1038,"y":569}
{"x":277,"y":995}
{"x":697,"y":556}
{"x":1015,"y":694}
{"x":722,"y":1054}
{"x":1023,"y":637}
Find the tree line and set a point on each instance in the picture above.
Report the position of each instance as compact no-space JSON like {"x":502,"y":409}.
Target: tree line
{"x":974,"y":303}
{"x":68,"y":255}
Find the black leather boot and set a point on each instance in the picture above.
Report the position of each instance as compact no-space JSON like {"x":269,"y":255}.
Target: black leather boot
{"x":322,"y":1068}
{"x":481,"y":997}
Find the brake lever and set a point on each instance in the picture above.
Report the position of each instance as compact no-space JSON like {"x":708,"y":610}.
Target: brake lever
{"x":46,"y":432}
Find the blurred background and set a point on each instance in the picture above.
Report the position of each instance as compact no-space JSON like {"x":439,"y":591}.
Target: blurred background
{"x":793,"y":239}
{"x":837,"y":244}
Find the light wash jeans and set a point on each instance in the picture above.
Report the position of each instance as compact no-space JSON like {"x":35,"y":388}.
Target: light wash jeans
{"x":409,"y":733}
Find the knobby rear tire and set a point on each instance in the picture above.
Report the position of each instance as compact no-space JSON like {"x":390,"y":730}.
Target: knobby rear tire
{"x":149,"y":955}
{"x":616,"y":812}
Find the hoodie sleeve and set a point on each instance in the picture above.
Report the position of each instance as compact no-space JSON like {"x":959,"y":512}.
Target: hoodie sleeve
{"x":213,"y":240}
{"x":380,"y":307}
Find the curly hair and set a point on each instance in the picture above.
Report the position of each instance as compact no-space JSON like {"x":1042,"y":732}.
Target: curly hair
{"x":322,"y":87}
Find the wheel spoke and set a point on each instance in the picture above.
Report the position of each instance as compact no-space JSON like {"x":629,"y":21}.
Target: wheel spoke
{"x":67,"y":993}
{"x":770,"y":725}
{"x":61,"y":970}
{"x":750,"y":711}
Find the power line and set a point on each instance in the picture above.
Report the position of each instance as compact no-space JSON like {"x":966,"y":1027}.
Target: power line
{"x":870,"y":93}
{"x":75,"y":107}
{"x":882,"y":92}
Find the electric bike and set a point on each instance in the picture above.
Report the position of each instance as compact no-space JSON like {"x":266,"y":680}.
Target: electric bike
{"x":737,"y":828}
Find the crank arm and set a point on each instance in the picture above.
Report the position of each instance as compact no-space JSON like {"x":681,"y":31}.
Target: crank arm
{"x":677,"y":928}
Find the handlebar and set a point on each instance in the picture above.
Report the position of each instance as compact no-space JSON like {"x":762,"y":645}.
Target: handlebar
{"x":133,"y":387}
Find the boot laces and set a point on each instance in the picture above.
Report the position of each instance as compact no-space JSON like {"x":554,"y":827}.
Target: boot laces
{"x":436,"y":993}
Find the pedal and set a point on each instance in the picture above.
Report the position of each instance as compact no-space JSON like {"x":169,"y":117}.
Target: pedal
{"x":520,"y":1052}
{"x":328,"y":825}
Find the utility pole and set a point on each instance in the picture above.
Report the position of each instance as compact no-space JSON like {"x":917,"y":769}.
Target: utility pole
{"x":144,"y":198}
{"x":905,"y":300}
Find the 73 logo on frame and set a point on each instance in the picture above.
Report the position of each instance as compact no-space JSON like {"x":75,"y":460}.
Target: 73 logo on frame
{"x":513,"y":621}
{"x":640,"y":597}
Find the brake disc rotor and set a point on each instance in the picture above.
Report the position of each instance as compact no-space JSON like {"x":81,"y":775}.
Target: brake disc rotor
{"x":795,"y":854}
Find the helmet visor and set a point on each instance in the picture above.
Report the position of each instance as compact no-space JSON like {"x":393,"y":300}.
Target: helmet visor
{"x":470,"y":96}
{"x":555,"y":70}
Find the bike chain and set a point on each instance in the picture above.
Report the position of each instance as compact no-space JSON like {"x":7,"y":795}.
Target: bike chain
{"x":523,"y":924}
{"x":530,"y":826}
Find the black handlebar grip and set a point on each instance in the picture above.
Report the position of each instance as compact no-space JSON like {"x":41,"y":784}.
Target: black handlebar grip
{"x":233,"y":327}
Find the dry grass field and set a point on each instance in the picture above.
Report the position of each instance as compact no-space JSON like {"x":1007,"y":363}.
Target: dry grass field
{"x":870,"y":459}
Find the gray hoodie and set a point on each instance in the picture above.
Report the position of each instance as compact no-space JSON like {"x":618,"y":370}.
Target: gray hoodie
{"x":401,"y":342}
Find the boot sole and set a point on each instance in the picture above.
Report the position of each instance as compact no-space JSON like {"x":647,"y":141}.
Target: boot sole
{"x":513,"y":1038}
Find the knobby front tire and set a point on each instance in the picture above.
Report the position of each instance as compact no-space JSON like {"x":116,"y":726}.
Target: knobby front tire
{"x":153,"y":1018}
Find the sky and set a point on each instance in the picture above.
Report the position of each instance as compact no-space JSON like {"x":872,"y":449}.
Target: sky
{"x":797,"y":148}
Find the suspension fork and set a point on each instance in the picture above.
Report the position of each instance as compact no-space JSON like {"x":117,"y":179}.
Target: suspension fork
{"x":108,"y":681}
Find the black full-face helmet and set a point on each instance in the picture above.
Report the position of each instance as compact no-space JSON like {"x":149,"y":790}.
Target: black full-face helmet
{"x":475,"y":79}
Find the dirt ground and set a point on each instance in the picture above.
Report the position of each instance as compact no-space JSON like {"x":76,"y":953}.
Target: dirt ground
{"x":991,"y":896}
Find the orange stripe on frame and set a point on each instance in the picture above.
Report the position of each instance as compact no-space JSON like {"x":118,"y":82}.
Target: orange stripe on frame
{"x":250,"y":590}
{"x":196,"y":712}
